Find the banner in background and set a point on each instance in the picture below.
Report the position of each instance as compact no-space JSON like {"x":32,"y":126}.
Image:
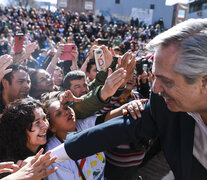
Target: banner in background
{"x":144,"y":15}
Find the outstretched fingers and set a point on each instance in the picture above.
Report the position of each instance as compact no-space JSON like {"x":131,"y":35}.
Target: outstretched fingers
{"x":135,"y":107}
{"x":117,"y":78}
{"x":8,"y":167}
{"x":68,"y":96}
{"x":47,"y":172}
{"x":5,"y":61}
{"x":42,"y":158}
{"x":46,"y":163}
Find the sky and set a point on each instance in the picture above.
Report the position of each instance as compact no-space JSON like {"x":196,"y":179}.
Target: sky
{"x":172,"y":2}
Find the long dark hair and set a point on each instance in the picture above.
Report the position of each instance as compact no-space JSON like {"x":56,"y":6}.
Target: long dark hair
{"x":16,"y":119}
{"x":46,"y":104}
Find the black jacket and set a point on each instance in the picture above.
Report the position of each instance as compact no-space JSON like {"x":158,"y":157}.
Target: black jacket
{"x":175,"y":131}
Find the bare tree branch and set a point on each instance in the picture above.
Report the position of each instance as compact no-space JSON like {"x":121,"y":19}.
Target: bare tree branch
{"x":22,"y":3}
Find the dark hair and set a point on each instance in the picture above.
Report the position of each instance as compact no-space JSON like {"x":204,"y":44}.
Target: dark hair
{"x":46,"y":104}
{"x":34,"y":92}
{"x":16,"y":119}
{"x":60,"y":69}
{"x":14,"y":68}
{"x":90,"y":64}
{"x":72,"y":75}
{"x":33,"y":77}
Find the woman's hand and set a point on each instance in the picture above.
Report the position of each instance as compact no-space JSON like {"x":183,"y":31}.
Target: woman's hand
{"x":128,"y":63}
{"x":75,"y":53}
{"x":8,"y":167}
{"x":5,"y":61}
{"x":112,"y":83}
{"x":35,"y":169}
{"x":60,"y":50}
{"x":68,"y":96}
{"x":107,"y":55}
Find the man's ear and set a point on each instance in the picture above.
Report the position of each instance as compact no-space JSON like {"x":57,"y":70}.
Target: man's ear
{"x":204,"y":84}
{"x":5,"y":83}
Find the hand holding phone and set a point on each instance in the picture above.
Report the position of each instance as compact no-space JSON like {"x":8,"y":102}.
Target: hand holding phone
{"x":100,"y":59}
{"x":66,"y":55}
{"x":18,"y":42}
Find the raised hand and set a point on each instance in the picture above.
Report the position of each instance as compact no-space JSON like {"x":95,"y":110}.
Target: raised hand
{"x":68,"y":96}
{"x":112,"y":83}
{"x":91,"y":55}
{"x":112,"y":51}
{"x":9,"y":167}
{"x":128,"y":63}
{"x":35,"y":169}
{"x":5,"y":61}
{"x":75,"y":53}
{"x":107,"y":55}
{"x":31,"y":47}
{"x":60,"y":50}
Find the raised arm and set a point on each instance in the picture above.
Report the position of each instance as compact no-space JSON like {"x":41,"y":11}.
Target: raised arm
{"x":35,"y":169}
{"x":52,"y":65}
{"x":5,"y":61}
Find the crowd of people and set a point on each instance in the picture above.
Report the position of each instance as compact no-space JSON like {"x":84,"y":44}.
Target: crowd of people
{"x":49,"y":28}
{"x":44,"y":97}
{"x":57,"y":104}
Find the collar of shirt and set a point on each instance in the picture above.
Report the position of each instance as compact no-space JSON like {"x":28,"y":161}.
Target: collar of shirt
{"x":200,"y":139}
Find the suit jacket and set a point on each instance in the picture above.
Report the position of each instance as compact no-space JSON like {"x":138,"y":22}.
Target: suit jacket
{"x":175,"y":131}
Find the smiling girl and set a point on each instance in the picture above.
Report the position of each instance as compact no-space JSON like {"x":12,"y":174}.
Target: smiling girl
{"x":23,"y":129}
{"x":62,"y":121}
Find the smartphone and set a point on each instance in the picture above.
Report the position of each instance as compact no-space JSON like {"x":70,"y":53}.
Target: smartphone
{"x":103,"y":42}
{"x":18,"y":42}
{"x":145,"y":67}
{"x":66,"y":55}
{"x":100,"y":60}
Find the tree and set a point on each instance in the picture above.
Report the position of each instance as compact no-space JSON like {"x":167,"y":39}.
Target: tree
{"x":22,"y":3}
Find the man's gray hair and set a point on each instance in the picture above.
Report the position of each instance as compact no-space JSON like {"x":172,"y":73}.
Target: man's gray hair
{"x":191,"y":38}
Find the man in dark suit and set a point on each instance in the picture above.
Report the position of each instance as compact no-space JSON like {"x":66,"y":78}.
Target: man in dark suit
{"x":176,"y":111}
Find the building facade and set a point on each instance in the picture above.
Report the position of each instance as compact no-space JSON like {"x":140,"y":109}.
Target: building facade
{"x":197,"y":9}
{"x":180,"y":13}
{"x":148,"y":11}
{"x":77,"y":5}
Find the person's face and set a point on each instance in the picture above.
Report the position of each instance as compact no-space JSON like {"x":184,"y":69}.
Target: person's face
{"x":178,"y":95}
{"x":19,"y":87}
{"x":37,"y":136}
{"x":43,"y":54}
{"x":58,"y":77}
{"x":62,"y":118}
{"x":44,"y":81}
{"x":79,"y":87}
{"x":92,"y":74}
